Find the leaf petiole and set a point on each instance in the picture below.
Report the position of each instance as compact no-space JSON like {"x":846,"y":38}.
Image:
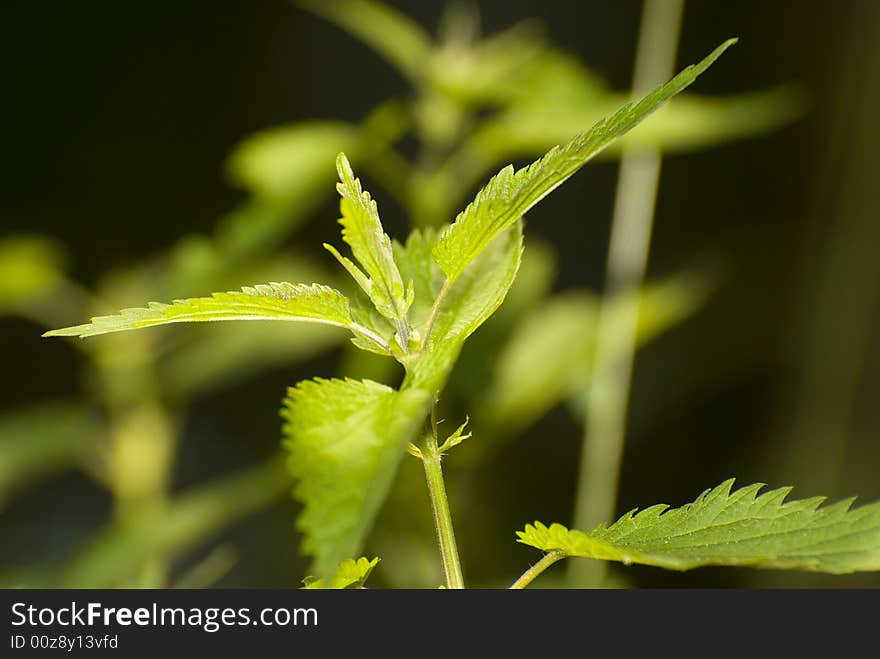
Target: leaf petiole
{"x":435,"y":310}
{"x":537,"y":569}
{"x":370,"y":335}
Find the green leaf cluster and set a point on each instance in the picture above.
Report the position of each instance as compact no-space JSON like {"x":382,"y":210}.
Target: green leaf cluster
{"x":274,"y":301}
{"x":421,"y":298}
{"x":345,"y":438}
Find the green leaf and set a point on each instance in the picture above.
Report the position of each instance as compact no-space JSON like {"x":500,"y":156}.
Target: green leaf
{"x":115,"y":554}
{"x":219,"y":354}
{"x":209,"y":356}
{"x":402,"y":42}
{"x":476,"y":295}
{"x":470,"y":301}
{"x":371,"y":246}
{"x":510,"y":194}
{"x":274,"y":301}
{"x":724,"y":527}
{"x":208,"y":570}
{"x":351,"y":573}
{"x":689,"y":122}
{"x":456,"y":438}
{"x":345,"y":439}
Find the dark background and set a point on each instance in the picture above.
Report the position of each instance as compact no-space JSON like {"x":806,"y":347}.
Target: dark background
{"x":117,"y":118}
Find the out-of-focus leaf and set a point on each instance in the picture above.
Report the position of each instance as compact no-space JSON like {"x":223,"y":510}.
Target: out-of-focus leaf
{"x":291,"y":160}
{"x":290,"y":171}
{"x":488,"y":70}
{"x":724,"y":527}
{"x":550,"y":354}
{"x":345,"y":439}
{"x":115,"y":554}
{"x":30,"y":266}
{"x":512,"y":67}
{"x":209,"y":570}
{"x":402,"y":42}
{"x":30,"y":576}
{"x":533,"y":281}
{"x":218,"y":354}
{"x":41,"y":440}
{"x":33,"y":284}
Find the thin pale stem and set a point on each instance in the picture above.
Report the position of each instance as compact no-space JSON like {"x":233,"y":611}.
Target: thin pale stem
{"x":435,"y":310}
{"x":536,"y":570}
{"x":631,"y":227}
{"x":431,"y":458}
{"x":370,"y":334}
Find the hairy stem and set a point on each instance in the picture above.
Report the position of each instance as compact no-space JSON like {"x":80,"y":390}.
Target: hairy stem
{"x":431,"y":457}
{"x":608,"y":397}
{"x":535,"y":571}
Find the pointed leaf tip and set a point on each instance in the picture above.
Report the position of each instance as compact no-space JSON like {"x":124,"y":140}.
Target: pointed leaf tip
{"x":362,"y":230}
{"x":343,"y":167}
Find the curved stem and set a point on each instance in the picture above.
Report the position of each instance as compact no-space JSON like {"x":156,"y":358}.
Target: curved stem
{"x":631,"y":226}
{"x":535,"y":571}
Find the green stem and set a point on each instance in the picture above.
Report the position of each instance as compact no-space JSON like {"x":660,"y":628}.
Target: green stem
{"x":608,"y":396}
{"x":369,"y":334}
{"x":431,"y":457}
{"x":535,"y":571}
{"x":428,"y":327}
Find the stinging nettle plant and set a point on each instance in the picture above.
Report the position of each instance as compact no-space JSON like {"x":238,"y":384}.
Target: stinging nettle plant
{"x":418,"y":302}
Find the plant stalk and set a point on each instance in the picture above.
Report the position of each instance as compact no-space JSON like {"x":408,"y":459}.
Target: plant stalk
{"x":536,"y":570}
{"x":608,"y":396}
{"x":431,"y":458}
